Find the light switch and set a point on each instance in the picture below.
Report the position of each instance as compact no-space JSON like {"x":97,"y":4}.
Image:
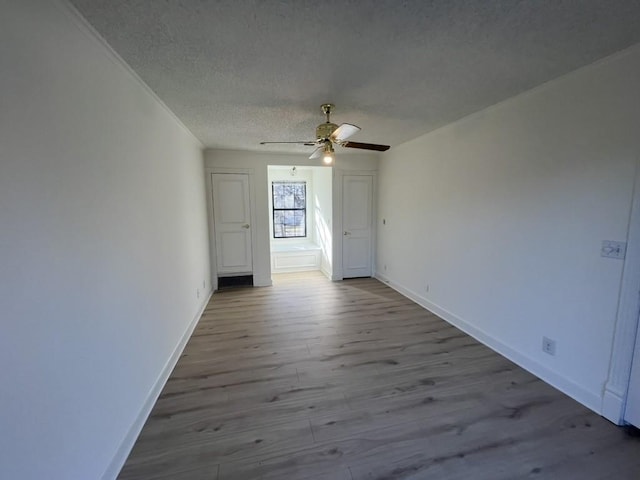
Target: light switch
{"x":612,"y":249}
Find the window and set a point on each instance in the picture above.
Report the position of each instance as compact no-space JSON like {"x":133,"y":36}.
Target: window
{"x":289,"y":209}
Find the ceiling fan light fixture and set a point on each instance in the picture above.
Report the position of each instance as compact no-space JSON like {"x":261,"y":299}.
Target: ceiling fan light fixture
{"x":328,"y":153}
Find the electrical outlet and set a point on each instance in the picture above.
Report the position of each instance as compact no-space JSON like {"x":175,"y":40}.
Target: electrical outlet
{"x":204,"y":284}
{"x":426,"y":288}
{"x":197,"y":293}
{"x":384,"y":267}
{"x":548,"y":346}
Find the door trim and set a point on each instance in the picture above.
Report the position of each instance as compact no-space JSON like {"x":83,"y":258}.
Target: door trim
{"x":338,"y":208}
{"x":209,"y":172}
{"x":624,"y":342}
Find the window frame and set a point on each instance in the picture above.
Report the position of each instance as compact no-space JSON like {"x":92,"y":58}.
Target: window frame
{"x":274,"y":209}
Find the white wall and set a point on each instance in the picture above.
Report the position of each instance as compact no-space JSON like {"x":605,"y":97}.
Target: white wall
{"x":322,"y":205}
{"x":256,"y":163}
{"x":502,"y":215}
{"x":103,"y":244}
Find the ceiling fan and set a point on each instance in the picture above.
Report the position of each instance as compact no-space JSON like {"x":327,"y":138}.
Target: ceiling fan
{"x":328,"y":134}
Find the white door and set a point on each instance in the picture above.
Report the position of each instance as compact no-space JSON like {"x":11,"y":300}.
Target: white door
{"x":232,"y":223}
{"x":632,"y":410}
{"x":357,"y":206}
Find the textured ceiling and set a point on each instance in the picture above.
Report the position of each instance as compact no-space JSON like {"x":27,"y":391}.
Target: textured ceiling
{"x":240,"y":71}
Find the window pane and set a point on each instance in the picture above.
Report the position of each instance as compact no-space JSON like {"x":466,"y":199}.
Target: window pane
{"x":289,"y":209}
{"x":278,"y":221}
{"x":278,"y":196}
{"x":289,"y":223}
{"x":288,"y":196}
{"x":299,"y":199}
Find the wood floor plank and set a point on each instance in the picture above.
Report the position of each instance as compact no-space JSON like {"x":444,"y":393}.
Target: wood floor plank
{"x":319,"y":380}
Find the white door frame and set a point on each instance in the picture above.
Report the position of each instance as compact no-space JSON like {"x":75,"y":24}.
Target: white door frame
{"x":209,"y":171}
{"x":337,"y":226}
{"x":233,"y":236}
{"x":617,"y":386}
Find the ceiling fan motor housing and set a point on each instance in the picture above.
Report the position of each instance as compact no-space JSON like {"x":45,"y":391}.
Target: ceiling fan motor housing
{"x":324,"y":130}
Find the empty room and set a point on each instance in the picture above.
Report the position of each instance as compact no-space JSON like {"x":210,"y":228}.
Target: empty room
{"x":358,"y":240}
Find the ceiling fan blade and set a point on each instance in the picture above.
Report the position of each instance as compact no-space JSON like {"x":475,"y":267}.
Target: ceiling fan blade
{"x":317,"y":153}
{"x":308,"y":143}
{"x":343,"y":132}
{"x":366,"y":146}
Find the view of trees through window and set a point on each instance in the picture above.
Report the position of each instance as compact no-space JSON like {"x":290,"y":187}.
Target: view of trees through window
{"x":289,"y":209}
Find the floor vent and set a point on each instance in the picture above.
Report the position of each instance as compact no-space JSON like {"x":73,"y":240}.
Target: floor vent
{"x":231,"y":282}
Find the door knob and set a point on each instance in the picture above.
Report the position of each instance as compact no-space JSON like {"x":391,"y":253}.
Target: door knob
{"x":347,"y":233}
{"x":246,"y":225}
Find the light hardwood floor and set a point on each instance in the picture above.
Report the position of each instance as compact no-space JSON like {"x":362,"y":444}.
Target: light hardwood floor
{"x":349,"y":380}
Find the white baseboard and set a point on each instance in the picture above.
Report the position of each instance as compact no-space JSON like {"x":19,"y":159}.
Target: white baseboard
{"x":581,"y":395}
{"x":261,"y":281}
{"x":307,"y":268}
{"x":130,"y":438}
{"x":325,"y":272}
{"x":613,"y":407}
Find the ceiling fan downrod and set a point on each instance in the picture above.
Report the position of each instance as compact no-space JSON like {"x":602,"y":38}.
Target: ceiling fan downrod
{"x":326,"y":109}
{"x":325,"y":130}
